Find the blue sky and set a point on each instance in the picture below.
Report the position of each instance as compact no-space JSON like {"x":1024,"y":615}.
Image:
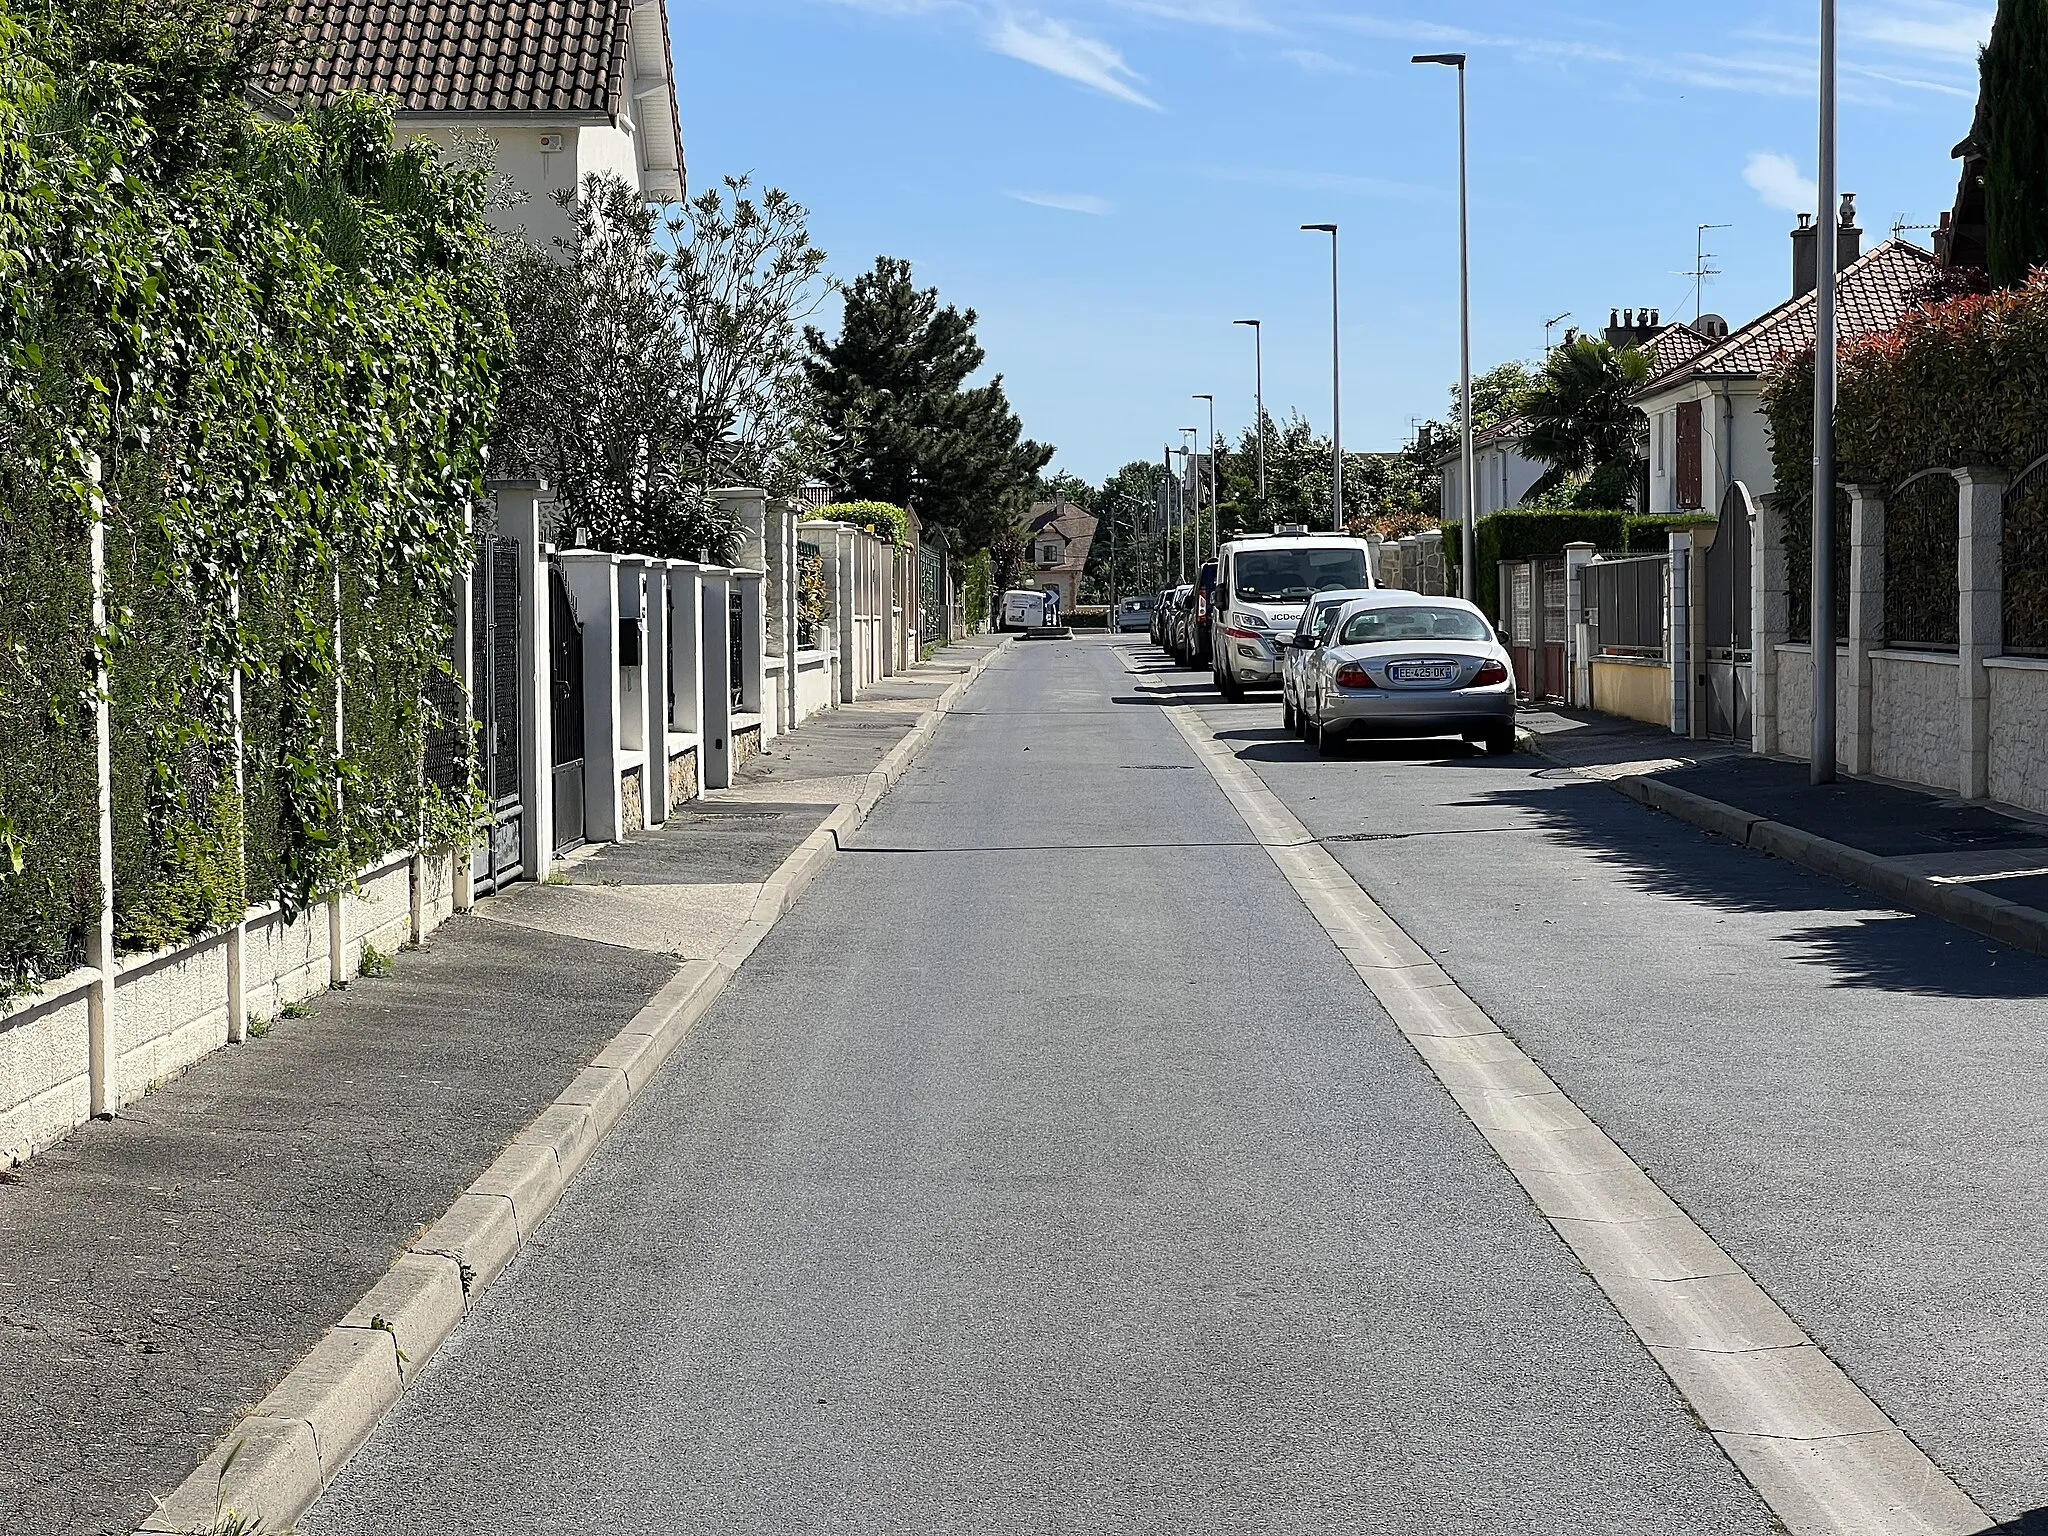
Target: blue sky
{"x":1110,"y":183}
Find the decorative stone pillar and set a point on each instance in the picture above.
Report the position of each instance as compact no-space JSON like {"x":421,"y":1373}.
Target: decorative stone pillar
{"x":654,"y":691}
{"x":1770,"y":618}
{"x":715,"y":752}
{"x":1866,"y":615}
{"x":592,"y":577}
{"x":1678,"y":633}
{"x":1578,"y":662}
{"x":1980,"y":628}
{"x":685,"y":582}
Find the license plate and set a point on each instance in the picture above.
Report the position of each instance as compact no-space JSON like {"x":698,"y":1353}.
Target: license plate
{"x":1423,"y":671}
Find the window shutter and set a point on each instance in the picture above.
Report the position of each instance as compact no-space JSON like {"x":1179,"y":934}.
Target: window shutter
{"x":1688,"y":456}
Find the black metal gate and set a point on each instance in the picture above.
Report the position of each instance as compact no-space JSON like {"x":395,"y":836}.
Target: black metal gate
{"x":1727,"y":663}
{"x":931,"y":577}
{"x":500,"y":857}
{"x":565,"y":668}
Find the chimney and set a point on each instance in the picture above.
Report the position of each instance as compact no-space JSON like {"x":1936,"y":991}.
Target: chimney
{"x":1805,"y":272}
{"x":1848,"y":238}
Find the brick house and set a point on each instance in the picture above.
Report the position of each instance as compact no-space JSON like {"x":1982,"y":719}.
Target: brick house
{"x":1059,"y":535}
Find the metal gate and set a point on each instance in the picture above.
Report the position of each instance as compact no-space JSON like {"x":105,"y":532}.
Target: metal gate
{"x":500,"y":857}
{"x":565,"y":670}
{"x":931,"y":579}
{"x":1551,"y":673}
{"x":1727,"y":664}
{"x":1522,"y":625}
{"x":735,"y":610}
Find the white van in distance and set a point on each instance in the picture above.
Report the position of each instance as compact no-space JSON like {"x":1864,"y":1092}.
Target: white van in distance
{"x":1262,"y":581}
{"x":1022,"y":609}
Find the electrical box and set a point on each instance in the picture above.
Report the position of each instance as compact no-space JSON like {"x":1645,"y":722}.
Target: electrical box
{"x":551,"y":143}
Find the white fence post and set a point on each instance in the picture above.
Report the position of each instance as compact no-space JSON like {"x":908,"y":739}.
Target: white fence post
{"x":1866,"y":615}
{"x":103,"y":1060}
{"x":714,"y":756}
{"x":1578,"y":661}
{"x":593,"y":582}
{"x":654,"y":691}
{"x":685,"y":661}
{"x":1678,"y":637}
{"x":1770,"y":619}
{"x":1980,"y":629}
{"x":337,"y":902}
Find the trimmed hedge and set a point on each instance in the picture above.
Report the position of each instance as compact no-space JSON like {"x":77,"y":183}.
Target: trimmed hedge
{"x":885,"y":520}
{"x":1957,"y":382}
{"x":1534,"y":533}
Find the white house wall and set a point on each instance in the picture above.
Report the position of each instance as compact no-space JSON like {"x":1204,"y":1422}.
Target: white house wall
{"x":588,"y":148}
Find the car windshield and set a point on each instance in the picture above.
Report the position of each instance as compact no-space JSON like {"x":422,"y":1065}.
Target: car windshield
{"x":1281,"y":575}
{"x":1414,"y":621}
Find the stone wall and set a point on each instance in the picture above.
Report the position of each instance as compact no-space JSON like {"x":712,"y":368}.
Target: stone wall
{"x":2019,"y":731}
{"x":1915,"y":720}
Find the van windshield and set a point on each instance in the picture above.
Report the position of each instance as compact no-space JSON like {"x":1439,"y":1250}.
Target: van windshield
{"x":1289,"y":575}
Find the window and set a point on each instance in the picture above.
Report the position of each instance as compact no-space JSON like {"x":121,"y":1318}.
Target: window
{"x":1281,"y":575}
{"x":1049,"y":552}
{"x":1414,"y":621}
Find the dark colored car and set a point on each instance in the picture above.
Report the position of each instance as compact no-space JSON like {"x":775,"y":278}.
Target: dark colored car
{"x":1200,"y":650}
{"x":1133,"y":613}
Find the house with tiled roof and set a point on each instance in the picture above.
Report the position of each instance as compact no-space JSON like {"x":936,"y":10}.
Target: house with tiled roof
{"x":1707,"y":427}
{"x":567,"y":88}
{"x":1058,"y":536}
{"x":1501,"y":473}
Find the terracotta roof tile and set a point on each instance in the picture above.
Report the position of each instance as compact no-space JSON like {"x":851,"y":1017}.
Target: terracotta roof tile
{"x":1874,"y":294}
{"x":526,"y":56}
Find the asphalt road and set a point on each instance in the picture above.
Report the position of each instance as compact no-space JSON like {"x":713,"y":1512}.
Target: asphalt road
{"x":1048,"y":1170}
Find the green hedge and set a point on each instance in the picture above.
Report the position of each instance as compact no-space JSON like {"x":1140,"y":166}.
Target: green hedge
{"x":1960,"y":382}
{"x":1538,"y":533}
{"x":885,"y":520}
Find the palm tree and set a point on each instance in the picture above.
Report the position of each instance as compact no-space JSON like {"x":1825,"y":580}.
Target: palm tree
{"x":1582,"y":422}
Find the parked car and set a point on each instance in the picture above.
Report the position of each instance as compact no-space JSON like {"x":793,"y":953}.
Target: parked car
{"x":1264,"y":582}
{"x":1133,"y":613}
{"x":1022,"y":609}
{"x":1297,"y":649}
{"x":1200,"y":614}
{"x":1179,"y":606}
{"x":1403,"y":664}
{"x":1162,"y":607}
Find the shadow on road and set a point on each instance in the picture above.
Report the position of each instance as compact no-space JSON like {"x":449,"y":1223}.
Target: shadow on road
{"x":1869,"y":945}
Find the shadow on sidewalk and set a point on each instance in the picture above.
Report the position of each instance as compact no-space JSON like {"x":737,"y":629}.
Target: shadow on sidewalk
{"x":1870,"y":945}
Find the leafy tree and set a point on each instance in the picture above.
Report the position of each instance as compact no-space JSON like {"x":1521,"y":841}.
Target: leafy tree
{"x":1497,"y":394}
{"x":901,"y":423}
{"x":1582,"y":421}
{"x":657,"y":359}
{"x":2012,"y":131}
{"x":1130,"y":501}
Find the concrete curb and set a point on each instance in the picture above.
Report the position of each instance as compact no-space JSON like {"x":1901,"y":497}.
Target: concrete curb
{"x":281,"y":1457}
{"x":2024,"y":928}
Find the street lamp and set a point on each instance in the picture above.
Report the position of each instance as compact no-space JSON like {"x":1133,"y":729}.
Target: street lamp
{"x":1821,"y":609}
{"x":1259,"y":399}
{"x":1336,"y":390}
{"x":1213,"y":545}
{"x":1457,"y":61}
{"x":1193,"y":474}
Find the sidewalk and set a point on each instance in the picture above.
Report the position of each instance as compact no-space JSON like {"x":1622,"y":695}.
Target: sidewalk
{"x":1981,"y":868}
{"x":160,"y":1273}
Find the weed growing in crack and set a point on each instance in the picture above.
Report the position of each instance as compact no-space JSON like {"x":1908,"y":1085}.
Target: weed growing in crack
{"x":374,"y":962}
{"x":295,"y":1011}
{"x":231,"y":1522}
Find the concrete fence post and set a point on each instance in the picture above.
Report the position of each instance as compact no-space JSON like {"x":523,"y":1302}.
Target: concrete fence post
{"x":519,"y":504}
{"x":1770,"y":618}
{"x":685,"y":582}
{"x":1678,"y":637}
{"x":103,"y":1054}
{"x":753,"y":619}
{"x":592,"y":577}
{"x":638,"y":751}
{"x":655,"y":684}
{"x":1578,"y":661}
{"x":1866,"y":615}
{"x":1980,"y":626}
{"x":714,"y":754}
{"x":842,"y":572}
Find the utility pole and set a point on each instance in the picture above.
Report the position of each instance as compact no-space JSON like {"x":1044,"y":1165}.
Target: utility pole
{"x":1213,"y":545}
{"x":1194,"y":478}
{"x":1700,"y":270}
{"x":1821,"y":608}
{"x":1336,"y":389}
{"x":1259,"y":400}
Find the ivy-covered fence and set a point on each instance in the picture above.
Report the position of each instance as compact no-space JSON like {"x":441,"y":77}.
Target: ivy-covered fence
{"x":259,"y":357}
{"x":1958,"y":383}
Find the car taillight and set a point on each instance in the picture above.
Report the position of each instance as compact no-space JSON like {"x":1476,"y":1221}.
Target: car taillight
{"x":1352,"y":675}
{"x":1202,"y":607}
{"x":1491,"y":675}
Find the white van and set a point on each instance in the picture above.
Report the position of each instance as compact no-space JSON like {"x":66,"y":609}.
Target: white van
{"x":1262,"y":582}
{"x":1021,"y":609}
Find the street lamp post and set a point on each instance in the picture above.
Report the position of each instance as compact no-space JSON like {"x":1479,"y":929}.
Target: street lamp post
{"x":1471,"y":531}
{"x":1214,"y":546}
{"x":1336,"y":390}
{"x":1821,"y":610}
{"x":1259,"y":400}
{"x":1193,"y":473}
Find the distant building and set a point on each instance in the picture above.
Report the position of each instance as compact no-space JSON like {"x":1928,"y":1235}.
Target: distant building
{"x":566,"y":90}
{"x":1059,"y":536}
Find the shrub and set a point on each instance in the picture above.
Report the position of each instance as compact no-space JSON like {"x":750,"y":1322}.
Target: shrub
{"x":978,"y":590}
{"x":883,"y":519}
{"x":1529,"y":534}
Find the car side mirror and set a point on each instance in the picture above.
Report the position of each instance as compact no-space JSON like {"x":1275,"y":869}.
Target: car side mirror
{"x":1500,"y":633}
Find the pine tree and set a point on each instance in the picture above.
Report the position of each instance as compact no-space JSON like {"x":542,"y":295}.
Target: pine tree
{"x":2014,"y":137}
{"x":902,"y":424}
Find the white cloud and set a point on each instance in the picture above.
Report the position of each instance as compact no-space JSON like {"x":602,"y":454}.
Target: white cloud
{"x":1230,"y":15}
{"x":1067,"y":202}
{"x":1928,"y":26}
{"x":1314,"y":63}
{"x":1777,"y":180}
{"x":1055,"y":46}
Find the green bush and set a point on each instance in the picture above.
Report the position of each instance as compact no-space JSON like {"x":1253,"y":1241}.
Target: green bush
{"x":978,"y":590}
{"x":1528,"y":534}
{"x":883,"y":519}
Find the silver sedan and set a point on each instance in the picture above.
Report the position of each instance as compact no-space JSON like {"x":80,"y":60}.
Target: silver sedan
{"x":1297,"y":650}
{"x":1401,"y":664}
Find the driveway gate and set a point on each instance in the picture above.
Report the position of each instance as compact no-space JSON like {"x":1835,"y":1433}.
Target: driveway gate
{"x":735,"y":612}
{"x":1727,"y":664}
{"x":501,"y":857}
{"x":565,"y":666}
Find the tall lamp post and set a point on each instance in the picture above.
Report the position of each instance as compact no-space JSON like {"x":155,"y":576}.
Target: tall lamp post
{"x":1259,"y":400}
{"x":1193,"y":474}
{"x":1471,"y":531}
{"x":1336,"y":390}
{"x":1214,"y":546}
{"x":1821,"y":610}
{"x":1180,"y":493}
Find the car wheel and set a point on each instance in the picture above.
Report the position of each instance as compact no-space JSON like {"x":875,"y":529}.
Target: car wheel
{"x":1287,"y":715}
{"x":1329,"y":741}
{"x":1501,"y":742}
{"x":1227,"y":686}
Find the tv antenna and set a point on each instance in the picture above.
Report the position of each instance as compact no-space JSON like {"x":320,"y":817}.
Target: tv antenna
{"x":1700,"y":270}
{"x":1551,"y":325}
